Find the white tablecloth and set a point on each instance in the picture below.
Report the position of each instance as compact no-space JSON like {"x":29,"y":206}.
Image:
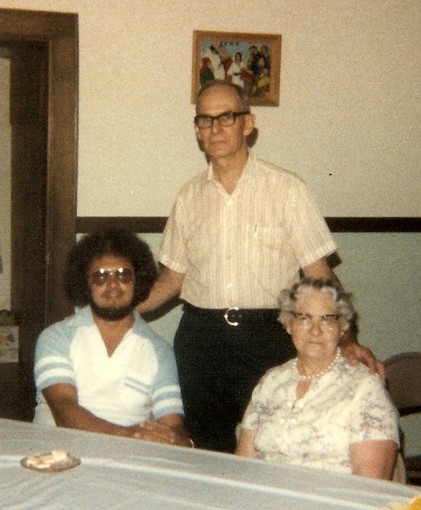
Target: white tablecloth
{"x":119,"y":473}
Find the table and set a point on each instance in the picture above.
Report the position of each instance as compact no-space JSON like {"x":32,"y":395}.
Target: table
{"x":122,"y":473}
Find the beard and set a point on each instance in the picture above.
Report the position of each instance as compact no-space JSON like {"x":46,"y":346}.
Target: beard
{"x":110,"y":313}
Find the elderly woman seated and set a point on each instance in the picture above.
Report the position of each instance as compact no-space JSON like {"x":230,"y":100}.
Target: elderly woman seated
{"x":317,"y":410}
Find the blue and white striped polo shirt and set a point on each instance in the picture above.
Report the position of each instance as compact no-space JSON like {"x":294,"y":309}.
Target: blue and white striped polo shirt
{"x":137,"y":382}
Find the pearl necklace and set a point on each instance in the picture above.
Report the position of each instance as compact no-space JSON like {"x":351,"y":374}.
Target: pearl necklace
{"x":302,"y":377}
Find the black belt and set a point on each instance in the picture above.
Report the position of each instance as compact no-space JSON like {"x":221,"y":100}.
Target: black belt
{"x":234,"y":316}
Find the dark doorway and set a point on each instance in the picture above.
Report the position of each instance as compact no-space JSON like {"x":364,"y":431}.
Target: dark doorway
{"x":43,"y":108}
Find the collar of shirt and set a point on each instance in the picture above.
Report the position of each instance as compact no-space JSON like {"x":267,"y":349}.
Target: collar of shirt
{"x":249,"y":175}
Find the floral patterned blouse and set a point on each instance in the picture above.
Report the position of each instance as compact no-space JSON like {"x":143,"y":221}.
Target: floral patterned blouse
{"x":345,"y":405}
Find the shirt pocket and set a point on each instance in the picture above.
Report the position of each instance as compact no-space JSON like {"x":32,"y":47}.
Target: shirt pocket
{"x":267,"y":243}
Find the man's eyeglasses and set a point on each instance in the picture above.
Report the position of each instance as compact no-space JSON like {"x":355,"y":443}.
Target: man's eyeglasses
{"x":306,"y":321}
{"x":122,"y":275}
{"x":224,"y":119}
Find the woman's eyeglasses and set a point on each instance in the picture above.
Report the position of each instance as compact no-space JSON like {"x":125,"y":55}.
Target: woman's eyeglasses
{"x":101,"y":276}
{"x":306,"y":321}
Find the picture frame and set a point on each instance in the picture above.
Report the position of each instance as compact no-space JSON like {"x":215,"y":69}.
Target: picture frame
{"x":251,"y":60}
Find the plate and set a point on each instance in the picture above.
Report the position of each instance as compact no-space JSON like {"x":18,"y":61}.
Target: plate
{"x":50,"y":467}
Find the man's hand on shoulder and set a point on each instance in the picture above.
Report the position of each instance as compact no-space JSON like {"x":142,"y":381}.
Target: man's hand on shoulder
{"x":356,"y":353}
{"x":167,"y":286}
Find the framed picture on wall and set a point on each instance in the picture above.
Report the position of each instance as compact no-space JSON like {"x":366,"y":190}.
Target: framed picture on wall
{"x":252,"y":61}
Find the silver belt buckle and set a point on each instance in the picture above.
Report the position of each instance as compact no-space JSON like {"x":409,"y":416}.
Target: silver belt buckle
{"x":226,"y":314}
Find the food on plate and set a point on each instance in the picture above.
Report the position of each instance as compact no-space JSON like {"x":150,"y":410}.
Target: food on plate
{"x":56,"y":460}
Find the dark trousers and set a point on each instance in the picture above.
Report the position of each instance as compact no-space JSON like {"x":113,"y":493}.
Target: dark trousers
{"x":218,"y":366}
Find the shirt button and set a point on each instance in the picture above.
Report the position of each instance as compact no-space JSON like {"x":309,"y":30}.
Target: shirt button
{"x":229,"y":202}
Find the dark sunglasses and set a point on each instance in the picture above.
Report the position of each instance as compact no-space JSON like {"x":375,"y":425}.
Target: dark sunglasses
{"x":122,"y":275}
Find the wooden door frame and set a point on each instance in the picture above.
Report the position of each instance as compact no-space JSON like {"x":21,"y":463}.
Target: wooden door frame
{"x":60,"y":32}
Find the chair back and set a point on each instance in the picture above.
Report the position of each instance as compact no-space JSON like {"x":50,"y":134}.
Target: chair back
{"x":403,"y":377}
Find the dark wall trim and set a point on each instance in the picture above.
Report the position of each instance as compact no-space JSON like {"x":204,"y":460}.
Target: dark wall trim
{"x":374,"y":224}
{"x":156,"y":224}
{"x":146,"y":224}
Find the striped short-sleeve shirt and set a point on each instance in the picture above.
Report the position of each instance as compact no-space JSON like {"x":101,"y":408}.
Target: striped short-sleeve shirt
{"x":137,"y":382}
{"x":241,"y":250}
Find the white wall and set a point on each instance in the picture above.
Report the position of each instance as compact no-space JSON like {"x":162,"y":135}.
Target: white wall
{"x":348,"y":122}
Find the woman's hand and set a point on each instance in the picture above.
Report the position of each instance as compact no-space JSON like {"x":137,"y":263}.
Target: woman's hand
{"x":245,"y":446}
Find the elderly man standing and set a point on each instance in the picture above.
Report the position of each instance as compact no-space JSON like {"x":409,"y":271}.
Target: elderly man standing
{"x":237,"y":235}
{"x":104,"y":370}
